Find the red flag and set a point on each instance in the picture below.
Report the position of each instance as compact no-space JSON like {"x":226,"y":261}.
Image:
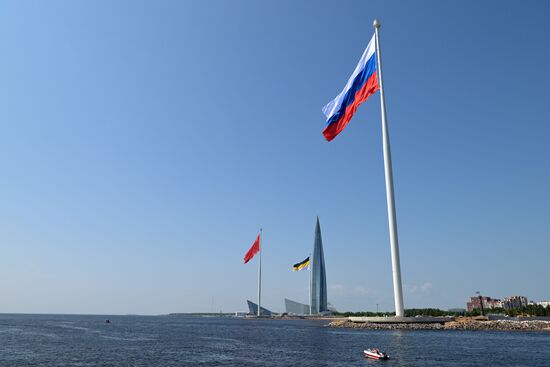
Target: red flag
{"x":253,"y":250}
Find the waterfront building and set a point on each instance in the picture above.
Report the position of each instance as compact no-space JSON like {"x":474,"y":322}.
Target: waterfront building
{"x":544,"y":304}
{"x":497,"y":303}
{"x":318,"y":283}
{"x":301,"y":309}
{"x":515,"y":302}
{"x":253,"y":309}
{"x":318,"y":275}
{"x":488,"y":303}
{"x":508,"y":303}
{"x":296,"y":308}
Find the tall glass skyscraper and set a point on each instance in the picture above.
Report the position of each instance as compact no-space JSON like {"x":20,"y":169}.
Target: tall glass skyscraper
{"x":318,"y":275}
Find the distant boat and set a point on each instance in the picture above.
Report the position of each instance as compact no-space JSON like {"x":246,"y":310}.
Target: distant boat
{"x":107,"y":321}
{"x":375,"y":353}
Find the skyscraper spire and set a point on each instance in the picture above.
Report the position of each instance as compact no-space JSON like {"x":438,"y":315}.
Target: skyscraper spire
{"x":318,"y":276}
{"x":318,"y":228}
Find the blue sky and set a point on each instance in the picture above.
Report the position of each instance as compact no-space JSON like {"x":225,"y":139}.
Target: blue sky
{"x":143,"y":144}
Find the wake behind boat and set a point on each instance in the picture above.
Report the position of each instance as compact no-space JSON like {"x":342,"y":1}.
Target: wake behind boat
{"x":375,"y":353}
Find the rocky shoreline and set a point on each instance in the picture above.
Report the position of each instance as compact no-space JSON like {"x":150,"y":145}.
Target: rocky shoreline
{"x":457,"y":324}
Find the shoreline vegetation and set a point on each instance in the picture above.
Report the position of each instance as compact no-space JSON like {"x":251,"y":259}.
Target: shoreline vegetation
{"x":531,"y":310}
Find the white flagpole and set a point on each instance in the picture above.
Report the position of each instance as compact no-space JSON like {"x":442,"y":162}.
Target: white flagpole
{"x":397,"y":289}
{"x":260,"y":276}
{"x":310,"y":279}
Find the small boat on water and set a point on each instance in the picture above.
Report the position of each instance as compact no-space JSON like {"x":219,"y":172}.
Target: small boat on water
{"x":375,"y":353}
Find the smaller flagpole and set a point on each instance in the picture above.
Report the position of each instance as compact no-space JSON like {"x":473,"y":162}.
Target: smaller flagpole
{"x":260,"y":276}
{"x":310,"y":278}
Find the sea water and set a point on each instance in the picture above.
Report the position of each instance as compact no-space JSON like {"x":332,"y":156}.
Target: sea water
{"x":163,"y":341}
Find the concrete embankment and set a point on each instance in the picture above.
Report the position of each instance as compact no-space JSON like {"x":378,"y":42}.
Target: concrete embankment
{"x":457,"y":324}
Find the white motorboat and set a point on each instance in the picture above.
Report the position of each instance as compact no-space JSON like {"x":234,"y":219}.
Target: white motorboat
{"x":375,"y":353}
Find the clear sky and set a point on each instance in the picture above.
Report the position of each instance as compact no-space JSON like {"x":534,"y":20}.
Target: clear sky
{"x":143,"y":144}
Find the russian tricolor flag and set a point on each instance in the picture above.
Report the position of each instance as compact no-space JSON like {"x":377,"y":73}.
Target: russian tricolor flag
{"x":362,"y":83}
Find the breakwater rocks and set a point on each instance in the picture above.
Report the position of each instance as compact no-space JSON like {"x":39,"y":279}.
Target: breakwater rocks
{"x":457,"y":324}
{"x":504,"y":325}
{"x":383,"y":326}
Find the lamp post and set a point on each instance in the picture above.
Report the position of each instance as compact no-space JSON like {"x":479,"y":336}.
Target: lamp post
{"x":480,"y":303}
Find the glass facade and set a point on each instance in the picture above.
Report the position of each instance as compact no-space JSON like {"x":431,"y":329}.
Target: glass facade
{"x":296,"y":308}
{"x":253,"y":309}
{"x":318,"y":276}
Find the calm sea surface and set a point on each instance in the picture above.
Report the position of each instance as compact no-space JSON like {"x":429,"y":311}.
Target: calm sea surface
{"x":46,"y":340}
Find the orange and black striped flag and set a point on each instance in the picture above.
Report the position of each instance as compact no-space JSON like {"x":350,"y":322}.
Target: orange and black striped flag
{"x":301,"y":265}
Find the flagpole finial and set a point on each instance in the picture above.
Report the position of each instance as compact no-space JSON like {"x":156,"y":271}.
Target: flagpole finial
{"x":376,"y":23}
